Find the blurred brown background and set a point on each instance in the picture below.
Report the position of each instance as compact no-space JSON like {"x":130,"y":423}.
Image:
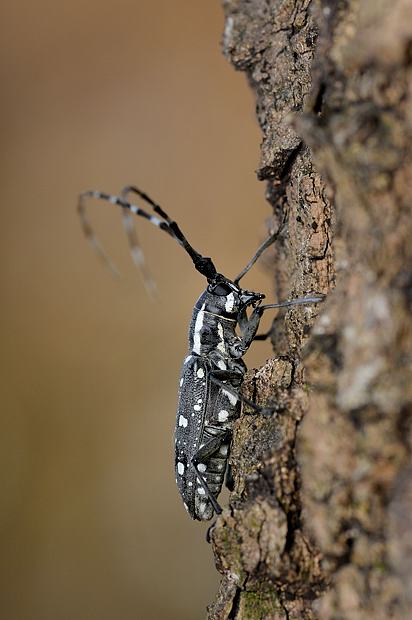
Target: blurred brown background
{"x":97,"y":95}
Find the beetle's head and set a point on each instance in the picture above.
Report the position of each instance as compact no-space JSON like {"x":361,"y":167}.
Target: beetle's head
{"x":226,"y":297}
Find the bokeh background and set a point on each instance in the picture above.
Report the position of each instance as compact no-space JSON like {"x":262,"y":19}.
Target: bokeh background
{"x":97,"y":94}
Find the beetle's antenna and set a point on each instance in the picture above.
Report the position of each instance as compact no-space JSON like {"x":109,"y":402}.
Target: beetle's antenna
{"x":203,"y":264}
{"x":93,"y":240}
{"x":136,"y":250}
{"x":254,"y":258}
{"x":268,"y":242}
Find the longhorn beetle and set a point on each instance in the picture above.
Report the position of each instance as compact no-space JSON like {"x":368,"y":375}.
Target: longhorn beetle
{"x":213,"y":371}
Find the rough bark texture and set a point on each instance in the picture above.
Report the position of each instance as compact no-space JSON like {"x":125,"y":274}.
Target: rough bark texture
{"x":320,"y":520}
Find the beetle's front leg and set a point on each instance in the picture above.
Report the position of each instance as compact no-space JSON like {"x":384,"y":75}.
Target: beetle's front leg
{"x":248,"y":327}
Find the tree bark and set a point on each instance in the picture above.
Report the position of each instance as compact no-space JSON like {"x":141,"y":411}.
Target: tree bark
{"x":320,"y":520}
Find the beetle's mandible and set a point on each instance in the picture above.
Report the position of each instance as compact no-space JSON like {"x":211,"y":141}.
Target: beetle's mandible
{"x":224,"y":324}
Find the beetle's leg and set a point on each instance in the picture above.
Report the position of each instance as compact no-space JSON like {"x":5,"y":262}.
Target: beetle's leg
{"x":203,"y":454}
{"x":248,"y":327}
{"x":208,"y":492}
{"x":264,"y":336}
{"x":229,"y":480}
{"x":227,"y":375}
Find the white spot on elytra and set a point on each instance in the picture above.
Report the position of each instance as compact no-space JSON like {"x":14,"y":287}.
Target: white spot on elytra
{"x":180,"y":468}
{"x":223,"y":415}
{"x":224,"y":450}
{"x":230,"y":302}
{"x":201,"y":467}
{"x":190,"y":484}
{"x":199,"y":400}
{"x":200,"y":373}
{"x":198,"y":328}
{"x":201,"y":491}
{"x":182,"y":421}
{"x":187,"y":359}
{"x":221,"y":364}
{"x":197,"y":407}
{"x":181,"y":382}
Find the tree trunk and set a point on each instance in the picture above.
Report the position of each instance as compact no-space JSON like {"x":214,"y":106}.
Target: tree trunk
{"x":320,"y":519}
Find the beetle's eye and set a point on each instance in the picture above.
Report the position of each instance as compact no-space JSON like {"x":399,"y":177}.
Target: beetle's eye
{"x":222,"y":289}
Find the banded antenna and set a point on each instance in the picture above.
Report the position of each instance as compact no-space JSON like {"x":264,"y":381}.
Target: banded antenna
{"x":204,"y":265}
